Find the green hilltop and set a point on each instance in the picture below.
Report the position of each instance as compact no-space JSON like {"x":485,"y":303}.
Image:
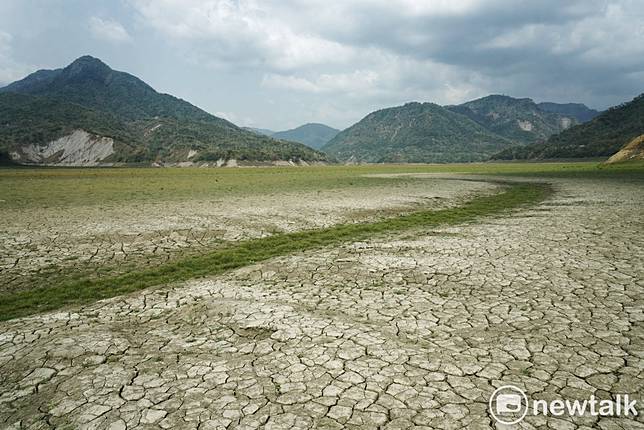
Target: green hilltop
{"x":415,"y":132}
{"x":579,"y":111}
{"x":603,"y":136}
{"x":430,"y":133}
{"x":146,"y":126}
{"x":519,"y":120}
{"x":143,"y":126}
{"x":312,"y":135}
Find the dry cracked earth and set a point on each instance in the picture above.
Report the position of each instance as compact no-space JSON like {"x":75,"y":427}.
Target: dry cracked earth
{"x":54,"y":240}
{"x":415,"y":330}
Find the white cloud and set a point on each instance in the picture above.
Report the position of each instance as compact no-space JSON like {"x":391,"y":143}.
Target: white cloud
{"x":289,"y":82}
{"x":240,"y":32}
{"x":353,"y":56}
{"x":5,"y":44}
{"x":10,"y":70}
{"x":317,"y":46}
{"x":389,"y":79}
{"x":235,"y":118}
{"x":357,"y":81}
{"x":614,"y":37}
{"x":612,"y":33}
{"x":108,"y":30}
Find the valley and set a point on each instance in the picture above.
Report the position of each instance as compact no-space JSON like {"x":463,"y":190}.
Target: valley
{"x":87,"y":114}
{"x":164,"y":267}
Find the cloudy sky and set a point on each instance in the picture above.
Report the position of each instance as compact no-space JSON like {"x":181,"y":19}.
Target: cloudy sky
{"x":280,"y":63}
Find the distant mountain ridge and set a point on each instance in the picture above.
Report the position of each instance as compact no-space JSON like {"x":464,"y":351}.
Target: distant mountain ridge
{"x":603,"y":136}
{"x":91,"y":83}
{"x":140,"y":124}
{"x":427,"y":132}
{"x":88,"y":114}
{"x":415,"y":132}
{"x":579,"y":111}
{"x":313,"y":135}
{"x":519,"y":120}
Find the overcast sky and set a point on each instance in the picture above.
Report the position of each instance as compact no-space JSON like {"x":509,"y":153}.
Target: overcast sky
{"x":280,"y":63}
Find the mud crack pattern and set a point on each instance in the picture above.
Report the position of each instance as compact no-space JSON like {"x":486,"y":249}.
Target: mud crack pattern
{"x":409,"y":331}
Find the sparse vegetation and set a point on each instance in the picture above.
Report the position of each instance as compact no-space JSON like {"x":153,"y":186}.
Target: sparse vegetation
{"x":417,"y":133}
{"x":25,"y":190}
{"x":312,"y":135}
{"x":503,"y":115}
{"x":74,"y":290}
{"x":430,"y":133}
{"x":51,"y":187}
{"x":146,"y":125}
{"x":602,"y":137}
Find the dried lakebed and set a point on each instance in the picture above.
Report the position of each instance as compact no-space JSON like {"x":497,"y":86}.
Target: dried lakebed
{"x":43,"y":242}
{"x":81,"y":288}
{"x":410,"y":330}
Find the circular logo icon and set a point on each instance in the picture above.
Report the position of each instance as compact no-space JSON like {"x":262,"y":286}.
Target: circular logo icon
{"x":508,"y":404}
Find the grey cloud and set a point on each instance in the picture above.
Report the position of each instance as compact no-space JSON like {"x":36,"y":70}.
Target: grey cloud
{"x":278,"y":63}
{"x":108,"y":30}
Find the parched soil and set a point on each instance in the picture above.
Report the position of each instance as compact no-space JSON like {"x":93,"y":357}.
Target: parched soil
{"x":413,"y":330}
{"x":39,"y":243}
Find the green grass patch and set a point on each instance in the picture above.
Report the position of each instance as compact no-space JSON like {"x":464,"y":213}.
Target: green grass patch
{"x":26,"y":188}
{"x":74,"y":291}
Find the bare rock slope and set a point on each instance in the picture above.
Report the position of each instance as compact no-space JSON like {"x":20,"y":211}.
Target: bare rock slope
{"x":146,"y":126}
{"x":633,"y":150}
{"x":79,"y":148}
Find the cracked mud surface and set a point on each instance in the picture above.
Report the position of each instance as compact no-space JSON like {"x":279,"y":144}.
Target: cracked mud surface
{"x":410,"y":331}
{"x":54,"y":240}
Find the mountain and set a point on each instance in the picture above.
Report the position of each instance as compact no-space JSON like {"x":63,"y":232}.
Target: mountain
{"x":601,"y":137}
{"x":26,"y":121}
{"x":579,"y":111}
{"x":415,"y":132}
{"x":519,"y":120}
{"x":87,"y":113}
{"x":633,"y":150}
{"x":312,"y":135}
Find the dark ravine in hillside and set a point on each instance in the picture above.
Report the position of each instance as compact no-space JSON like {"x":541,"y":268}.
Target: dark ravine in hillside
{"x":89,"y":114}
{"x":415,"y":132}
{"x":313,"y":135}
{"x":603,"y":136}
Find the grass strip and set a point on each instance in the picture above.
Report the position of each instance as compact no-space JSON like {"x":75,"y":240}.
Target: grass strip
{"x":74,"y":291}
